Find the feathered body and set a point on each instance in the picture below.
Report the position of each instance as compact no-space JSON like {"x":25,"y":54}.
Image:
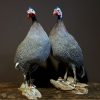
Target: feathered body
{"x":34,"y":49}
{"x":64,"y":46}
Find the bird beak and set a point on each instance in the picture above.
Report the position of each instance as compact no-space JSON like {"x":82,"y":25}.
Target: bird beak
{"x":54,"y":13}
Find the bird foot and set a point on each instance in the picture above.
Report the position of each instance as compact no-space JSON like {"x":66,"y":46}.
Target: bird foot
{"x":61,"y":84}
{"x":69,"y":84}
{"x":30,"y":91}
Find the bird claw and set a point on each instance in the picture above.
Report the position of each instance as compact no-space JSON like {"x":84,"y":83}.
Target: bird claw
{"x":30,"y":91}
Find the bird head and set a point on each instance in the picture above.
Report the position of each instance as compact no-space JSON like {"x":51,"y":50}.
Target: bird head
{"x":31,"y":13}
{"x":57,"y":11}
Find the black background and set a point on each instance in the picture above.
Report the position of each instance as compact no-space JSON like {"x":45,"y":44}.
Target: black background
{"x":81,"y":17}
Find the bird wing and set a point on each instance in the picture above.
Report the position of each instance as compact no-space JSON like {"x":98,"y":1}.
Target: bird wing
{"x":74,"y":50}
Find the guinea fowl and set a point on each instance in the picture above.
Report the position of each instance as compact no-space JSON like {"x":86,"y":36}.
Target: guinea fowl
{"x":33,"y":50}
{"x":65,"y":48}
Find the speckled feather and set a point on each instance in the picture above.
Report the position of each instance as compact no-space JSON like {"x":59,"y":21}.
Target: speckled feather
{"x":34,"y":49}
{"x":64,"y":45}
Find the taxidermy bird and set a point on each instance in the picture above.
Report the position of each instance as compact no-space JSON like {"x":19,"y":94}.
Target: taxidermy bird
{"x":34,"y":49}
{"x":65,"y":48}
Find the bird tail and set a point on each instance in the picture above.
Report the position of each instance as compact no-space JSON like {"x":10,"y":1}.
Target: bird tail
{"x":83,"y":72}
{"x":82,"y":76}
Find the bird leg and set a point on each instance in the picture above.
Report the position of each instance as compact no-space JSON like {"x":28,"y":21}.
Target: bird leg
{"x":74,"y":72}
{"x":31,"y":85}
{"x":65,"y":76}
{"x":62,"y":83}
{"x":24,"y":78}
{"x":32,"y":68}
{"x":24,"y":85}
{"x":25,"y":81}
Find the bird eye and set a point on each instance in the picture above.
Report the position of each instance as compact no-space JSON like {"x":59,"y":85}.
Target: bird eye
{"x":58,"y":11}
